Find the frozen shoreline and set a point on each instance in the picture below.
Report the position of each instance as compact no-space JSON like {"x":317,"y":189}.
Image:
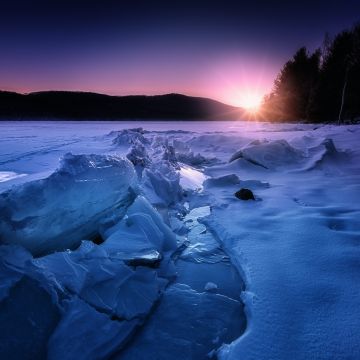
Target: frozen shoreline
{"x":295,"y":246}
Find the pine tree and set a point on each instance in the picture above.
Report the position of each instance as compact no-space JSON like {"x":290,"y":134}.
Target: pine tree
{"x":323,"y":86}
{"x":337,"y":93}
{"x":293,"y":87}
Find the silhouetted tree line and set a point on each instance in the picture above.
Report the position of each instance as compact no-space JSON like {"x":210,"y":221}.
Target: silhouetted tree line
{"x":319,"y":86}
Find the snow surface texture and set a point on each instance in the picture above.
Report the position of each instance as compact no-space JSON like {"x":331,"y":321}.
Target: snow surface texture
{"x":161,"y":278}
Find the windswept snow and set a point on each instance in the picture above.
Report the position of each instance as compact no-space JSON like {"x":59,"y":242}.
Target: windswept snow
{"x":135,"y":246}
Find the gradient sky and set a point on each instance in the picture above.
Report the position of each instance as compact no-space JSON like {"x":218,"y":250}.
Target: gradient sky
{"x":226,"y":50}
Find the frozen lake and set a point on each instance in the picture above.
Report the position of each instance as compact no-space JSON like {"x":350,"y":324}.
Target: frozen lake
{"x":199,"y":270}
{"x":31,"y":149}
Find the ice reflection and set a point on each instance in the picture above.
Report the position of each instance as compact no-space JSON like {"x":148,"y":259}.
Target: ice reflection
{"x":191,"y":178}
{"x":9,"y":175}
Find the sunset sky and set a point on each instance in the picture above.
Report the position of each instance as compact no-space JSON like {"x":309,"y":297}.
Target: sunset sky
{"x":227,"y":50}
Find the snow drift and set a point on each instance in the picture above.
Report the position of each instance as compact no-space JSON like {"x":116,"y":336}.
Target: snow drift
{"x":326,"y":156}
{"x":269,"y":154}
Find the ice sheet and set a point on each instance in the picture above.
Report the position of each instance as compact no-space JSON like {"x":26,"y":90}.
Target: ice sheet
{"x":296,"y":246}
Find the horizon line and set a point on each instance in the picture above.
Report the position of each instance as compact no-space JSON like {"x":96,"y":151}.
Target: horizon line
{"x":114,"y":95}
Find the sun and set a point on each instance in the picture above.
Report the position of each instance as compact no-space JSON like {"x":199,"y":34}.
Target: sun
{"x":250,"y":99}
{"x":251,"y":102}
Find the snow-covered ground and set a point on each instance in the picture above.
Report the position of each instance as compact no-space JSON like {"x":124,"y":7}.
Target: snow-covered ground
{"x":125,"y":240}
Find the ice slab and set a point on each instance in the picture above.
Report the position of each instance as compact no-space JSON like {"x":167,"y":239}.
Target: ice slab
{"x":187,"y":325}
{"x":28,"y":316}
{"x":270,"y":154}
{"x":56,"y":212}
{"x":104,"y":283}
{"x":161,"y":184}
{"x":141,"y":231}
{"x":83,"y":333}
{"x":12,"y":263}
{"x":126,"y":137}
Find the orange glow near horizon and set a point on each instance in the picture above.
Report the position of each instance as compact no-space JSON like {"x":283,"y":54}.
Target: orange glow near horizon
{"x":242,"y":80}
{"x":237,"y":79}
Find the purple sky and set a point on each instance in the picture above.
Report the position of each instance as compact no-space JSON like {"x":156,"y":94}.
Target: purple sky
{"x":226,"y":50}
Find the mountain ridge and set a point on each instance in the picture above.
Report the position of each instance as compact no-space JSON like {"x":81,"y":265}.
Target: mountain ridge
{"x":78,"y":105}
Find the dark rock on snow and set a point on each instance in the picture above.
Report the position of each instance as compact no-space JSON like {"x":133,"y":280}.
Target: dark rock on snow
{"x":245,"y":194}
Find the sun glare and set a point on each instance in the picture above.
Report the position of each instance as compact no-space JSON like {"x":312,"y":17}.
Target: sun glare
{"x":248,"y":99}
{"x":251,"y":102}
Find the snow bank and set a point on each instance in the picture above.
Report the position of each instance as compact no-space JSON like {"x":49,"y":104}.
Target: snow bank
{"x":218,"y":142}
{"x":226,"y":180}
{"x":315,"y":153}
{"x":325,"y":156}
{"x":56,"y":212}
{"x":270,"y":154}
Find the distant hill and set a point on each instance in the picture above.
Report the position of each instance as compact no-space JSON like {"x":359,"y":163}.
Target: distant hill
{"x":91,"y":106}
